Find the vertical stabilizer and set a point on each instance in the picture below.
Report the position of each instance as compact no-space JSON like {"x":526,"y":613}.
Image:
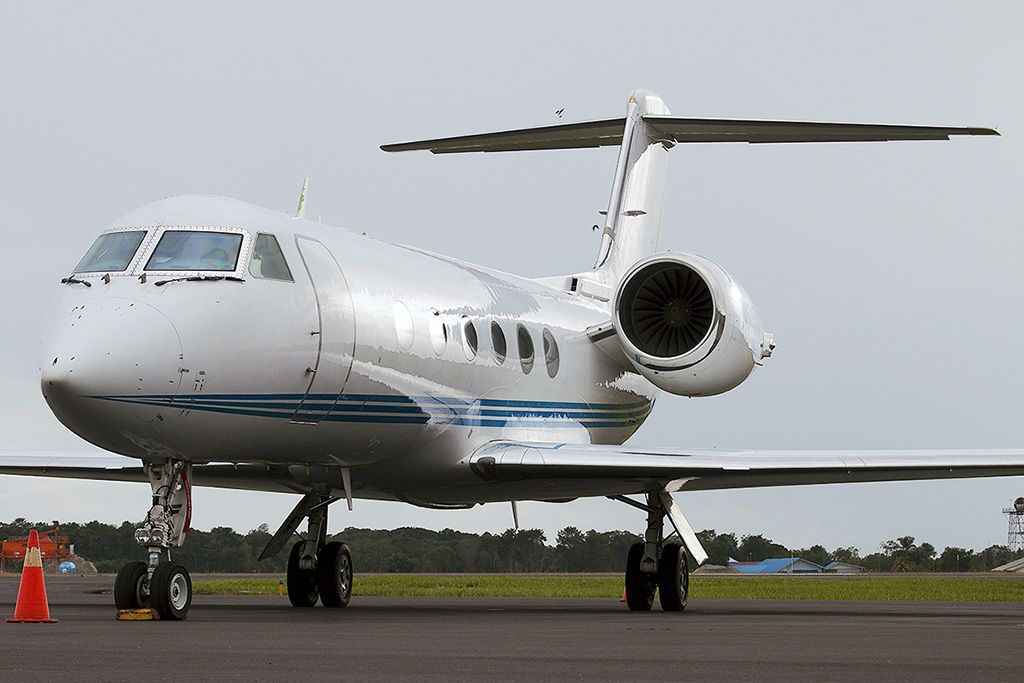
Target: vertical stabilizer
{"x":300,"y":210}
{"x":633,"y":220}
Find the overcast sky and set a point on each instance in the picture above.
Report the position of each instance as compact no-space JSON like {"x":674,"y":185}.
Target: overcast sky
{"x":889,"y":273}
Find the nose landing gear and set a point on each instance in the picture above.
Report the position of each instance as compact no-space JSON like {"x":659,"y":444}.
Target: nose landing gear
{"x":160,"y":584}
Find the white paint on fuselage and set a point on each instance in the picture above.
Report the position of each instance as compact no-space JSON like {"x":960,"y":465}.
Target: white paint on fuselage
{"x":213,"y":371}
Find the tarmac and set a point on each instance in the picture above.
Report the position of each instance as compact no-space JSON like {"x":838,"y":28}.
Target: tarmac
{"x":451,"y":639}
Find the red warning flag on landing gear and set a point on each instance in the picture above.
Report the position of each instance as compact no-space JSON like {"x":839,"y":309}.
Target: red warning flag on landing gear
{"x":32,"y":605}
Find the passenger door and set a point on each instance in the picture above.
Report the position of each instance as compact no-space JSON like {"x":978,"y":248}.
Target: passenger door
{"x":335,"y":336}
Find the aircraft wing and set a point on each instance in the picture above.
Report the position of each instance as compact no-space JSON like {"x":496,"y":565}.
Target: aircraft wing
{"x":697,"y":469}
{"x":101,"y":466}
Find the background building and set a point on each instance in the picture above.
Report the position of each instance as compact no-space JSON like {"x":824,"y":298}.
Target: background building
{"x":782,"y":565}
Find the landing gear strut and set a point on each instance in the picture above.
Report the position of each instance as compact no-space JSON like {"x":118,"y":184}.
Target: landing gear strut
{"x":160,"y":584}
{"x":318,"y":569}
{"x":656,"y":566}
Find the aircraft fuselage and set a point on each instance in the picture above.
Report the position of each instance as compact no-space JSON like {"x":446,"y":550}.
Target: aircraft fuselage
{"x":365,"y":357}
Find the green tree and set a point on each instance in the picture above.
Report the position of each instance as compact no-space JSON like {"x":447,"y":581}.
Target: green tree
{"x":954,"y":560}
{"x":906,"y":555}
{"x":996,"y":555}
{"x":719,"y":547}
{"x":568,"y":544}
{"x":816,"y":554}
{"x":849,"y":555}
{"x":756,"y":547}
{"x":877,"y":562}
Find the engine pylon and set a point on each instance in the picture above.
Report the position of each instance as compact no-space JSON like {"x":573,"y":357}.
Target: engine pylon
{"x":32,"y":605}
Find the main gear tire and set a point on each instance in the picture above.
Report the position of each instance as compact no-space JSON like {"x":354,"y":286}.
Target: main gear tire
{"x":302,"y":583}
{"x":334,"y":574}
{"x":640,"y":587}
{"x":673,"y":578}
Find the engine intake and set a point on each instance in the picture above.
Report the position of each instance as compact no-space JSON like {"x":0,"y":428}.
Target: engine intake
{"x":687,"y":326}
{"x":666,"y":309}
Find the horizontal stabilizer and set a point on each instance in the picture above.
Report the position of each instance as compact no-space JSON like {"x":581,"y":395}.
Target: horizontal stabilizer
{"x":737,"y":130}
{"x":681,"y":130}
{"x":566,"y":136}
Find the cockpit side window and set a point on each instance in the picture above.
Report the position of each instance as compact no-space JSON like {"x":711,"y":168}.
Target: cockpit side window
{"x":111,"y":252}
{"x":196,"y":250}
{"x":267,"y":260}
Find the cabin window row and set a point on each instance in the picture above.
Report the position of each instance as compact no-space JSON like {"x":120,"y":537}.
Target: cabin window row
{"x":440,"y":333}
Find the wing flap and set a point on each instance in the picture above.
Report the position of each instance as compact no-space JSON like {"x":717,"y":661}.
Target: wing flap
{"x":719,"y":469}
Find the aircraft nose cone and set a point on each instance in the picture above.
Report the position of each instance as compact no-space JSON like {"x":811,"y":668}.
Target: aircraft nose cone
{"x":103,"y":354}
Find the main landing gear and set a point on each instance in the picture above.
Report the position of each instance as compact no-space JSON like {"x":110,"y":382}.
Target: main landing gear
{"x":318,"y":569}
{"x":671,"y":581}
{"x":657,"y":566}
{"x":160,"y":583}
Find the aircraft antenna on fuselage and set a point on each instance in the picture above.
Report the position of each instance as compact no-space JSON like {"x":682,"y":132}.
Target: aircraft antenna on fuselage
{"x":300,"y":210}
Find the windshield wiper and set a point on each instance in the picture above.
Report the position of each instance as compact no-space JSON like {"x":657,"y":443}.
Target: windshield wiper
{"x":74,"y":281}
{"x":199,"y":278}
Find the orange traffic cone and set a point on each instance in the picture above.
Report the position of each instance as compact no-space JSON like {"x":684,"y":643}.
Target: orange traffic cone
{"x":32,"y":605}
{"x":623,"y":595}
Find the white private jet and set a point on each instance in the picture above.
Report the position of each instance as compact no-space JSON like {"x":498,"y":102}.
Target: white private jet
{"x":222,"y":344}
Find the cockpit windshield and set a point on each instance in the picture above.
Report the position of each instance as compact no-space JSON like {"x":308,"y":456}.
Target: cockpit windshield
{"x":111,"y":252}
{"x":267,"y":260}
{"x":196,"y":250}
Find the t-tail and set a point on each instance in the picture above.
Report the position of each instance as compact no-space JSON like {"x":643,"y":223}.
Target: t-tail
{"x":633,"y":218}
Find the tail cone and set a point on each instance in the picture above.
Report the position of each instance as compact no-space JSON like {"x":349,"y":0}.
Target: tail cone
{"x":32,"y":605}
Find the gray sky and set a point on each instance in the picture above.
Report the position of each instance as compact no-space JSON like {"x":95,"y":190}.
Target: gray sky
{"x":889,"y":273}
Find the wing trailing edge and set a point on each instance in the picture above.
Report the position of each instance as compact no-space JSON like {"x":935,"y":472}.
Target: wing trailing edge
{"x":694,"y":470}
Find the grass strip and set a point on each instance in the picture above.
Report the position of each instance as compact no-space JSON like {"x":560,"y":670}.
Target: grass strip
{"x":872,"y":588}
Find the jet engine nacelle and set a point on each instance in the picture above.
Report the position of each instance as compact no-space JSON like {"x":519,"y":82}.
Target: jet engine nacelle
{"x":687,"y":326}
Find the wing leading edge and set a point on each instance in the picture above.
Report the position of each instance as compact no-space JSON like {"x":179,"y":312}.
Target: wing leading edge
{"x":697,"y":470}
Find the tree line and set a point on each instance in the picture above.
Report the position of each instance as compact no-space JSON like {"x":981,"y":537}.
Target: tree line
{"x":410,"y":549}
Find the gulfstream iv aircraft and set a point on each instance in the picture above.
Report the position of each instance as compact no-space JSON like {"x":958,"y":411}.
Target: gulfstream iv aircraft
{"x":216,"y":343}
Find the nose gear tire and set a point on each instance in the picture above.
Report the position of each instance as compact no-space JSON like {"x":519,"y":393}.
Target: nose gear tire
{"x":170,"y":591}
{"x":129,"y":586}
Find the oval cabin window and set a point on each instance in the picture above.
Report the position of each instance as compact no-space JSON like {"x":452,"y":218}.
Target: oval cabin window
{"x":498,"y":341}
{"x":550,"y":353}
{"x":525,"y":349}
{"x":470,"y":341}
{"x":438,"y":332}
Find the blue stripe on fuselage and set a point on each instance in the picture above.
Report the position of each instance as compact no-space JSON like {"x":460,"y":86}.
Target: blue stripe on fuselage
{"x":404,"y":410}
